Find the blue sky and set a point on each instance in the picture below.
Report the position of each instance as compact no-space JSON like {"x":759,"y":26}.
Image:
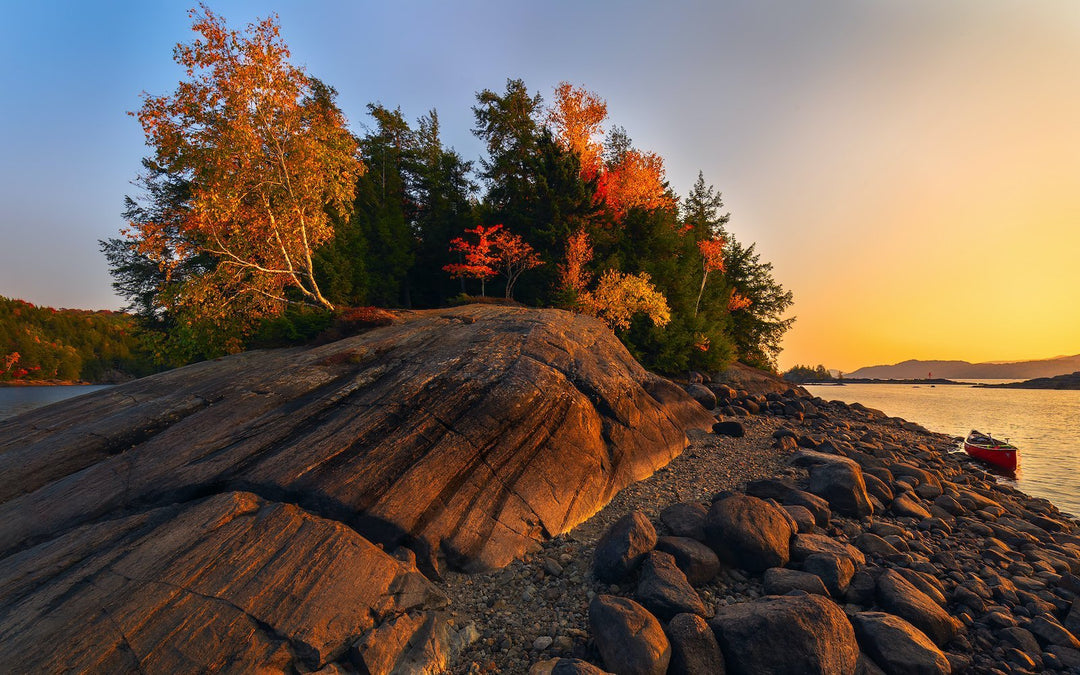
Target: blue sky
{"x":867,"y":146}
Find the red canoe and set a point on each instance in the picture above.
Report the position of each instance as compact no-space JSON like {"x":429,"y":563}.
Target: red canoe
{"x":992,"y":451}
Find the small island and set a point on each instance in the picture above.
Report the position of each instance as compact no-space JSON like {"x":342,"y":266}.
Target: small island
{"x":1069,"y":381}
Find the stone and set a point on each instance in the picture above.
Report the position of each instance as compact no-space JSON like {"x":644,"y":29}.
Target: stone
{"x":697,"y":561}
{"x":1049,"y":632}
{"x":694,"y":650}
{"x":804,"y":520}
{"x":898,"y":596}
{"x":748,"y":532}
{"x":835,"y":571}
{"x":620,"y":549}
{"x":225,"y":579}
{"x":685,"y":519}
{"x":781,"y":581}
{"x":841,"y":485}
{"x":565,"y":666}
{"x":470,"y":433}
{"x":870,"y":543}
{"x":806,"y":545}
{"x":785,"y":635}
{"x":729,"y":428}
{"x":897,"y":646}
{"x":411,"y":643}
{"x":876,"y":487}
{"x":926,"y":583}
{"x":702,"y":395}
{"x":629,"y":638}
{"x":1021,"y":639}
{"x":663,"y":589}
{"x":906,"y":506}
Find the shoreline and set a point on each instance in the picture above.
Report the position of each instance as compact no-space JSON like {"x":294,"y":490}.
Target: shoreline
{"x":536,"y":609}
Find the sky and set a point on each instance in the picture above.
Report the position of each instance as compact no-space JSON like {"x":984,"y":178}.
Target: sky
{"x":911,"y":167}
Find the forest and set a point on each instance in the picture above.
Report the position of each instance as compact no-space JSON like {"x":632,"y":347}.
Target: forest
{"x":40,"y":344}
{"x":260,"y":217}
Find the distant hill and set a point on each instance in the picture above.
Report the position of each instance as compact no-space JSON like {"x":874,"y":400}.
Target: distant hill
{"x":1062,"y":365}
{"x":1070,"y":381}
{"x":42,"y":344}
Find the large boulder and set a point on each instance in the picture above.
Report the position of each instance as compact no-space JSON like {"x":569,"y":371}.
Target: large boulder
{"x":685,"y":519}
{"x":468,"y":432}
{"x":897,"y":646}
{"x":622,"y":546}
{"x":786,"y":635}
{"x":663,"y":589}
{"x":839,"y":481}
{"x":748,"y":532}
{"x":899,"y":596}
{"x":629,"y":638}
{"x":230,"y":582}
{"x":696,"y":560}
{"x":694,"y":650}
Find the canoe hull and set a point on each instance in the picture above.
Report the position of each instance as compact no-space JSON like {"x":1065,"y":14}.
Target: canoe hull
{"x":1003,"y":457}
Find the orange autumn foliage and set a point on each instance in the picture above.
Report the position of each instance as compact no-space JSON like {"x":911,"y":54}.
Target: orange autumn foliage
{"x":576,"y":117}
{"x":712,"y":260}
{"x":738,"y":301}
{"x":636,"y":180}
{"x":478,"y":260}
{"x":573,"y":276}
{"x":270,"y":162}
{"x":513,"y":256}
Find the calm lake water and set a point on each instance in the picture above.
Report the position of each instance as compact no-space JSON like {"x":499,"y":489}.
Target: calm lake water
{"x":1043,"y":424}
{"x":17,"y":400}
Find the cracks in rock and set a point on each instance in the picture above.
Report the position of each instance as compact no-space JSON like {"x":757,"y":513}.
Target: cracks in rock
{"x":124,"y":641}
{"x":302,"y":650}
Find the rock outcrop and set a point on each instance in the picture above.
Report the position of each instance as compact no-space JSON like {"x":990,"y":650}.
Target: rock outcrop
{"x":237,"y":514}
{"x":231,"y":582}
{"x":469,"y":432}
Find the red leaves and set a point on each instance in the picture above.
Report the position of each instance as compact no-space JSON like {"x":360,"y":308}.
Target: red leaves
{"x":495,"y":251}
{"x":712,"y":254}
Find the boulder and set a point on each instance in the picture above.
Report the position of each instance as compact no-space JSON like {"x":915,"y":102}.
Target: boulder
{"x":806,"y":545}
{"x":663,"y":589}
{"x":685,"y":519}
{"x":870,"y":543}
{"x":1049,"y":632}
{"x":748,"y":532}
{"x":782,"y":635}
{"x":907,"y":506}
{"x":898,"y":596}
{"x":564,"y":666}
{"x":696,"y":560}
{"x":781,"y":581}
{"x":702,"y":395}
{"x":729,"y":428}
{"x":694,"y":650}
{"x":835,"y":571}
{"x":411,"y":643}
{"x":470,"y":432}
{"x":629,"y":638}
{"x":804,"y":520}
{"x":841,"y":485}
{"x":897,"y":646}
{"x":190,"y":587}
{"x":621,"y":548}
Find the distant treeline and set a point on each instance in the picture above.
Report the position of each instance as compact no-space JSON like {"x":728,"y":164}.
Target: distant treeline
{"x":42,"y":343}
{"x":801,"y":374}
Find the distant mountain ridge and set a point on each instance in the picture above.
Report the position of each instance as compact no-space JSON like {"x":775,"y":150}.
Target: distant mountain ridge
{"x":915,"y":368}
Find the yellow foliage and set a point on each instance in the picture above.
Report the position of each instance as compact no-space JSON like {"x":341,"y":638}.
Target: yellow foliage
{"x":619,"y":296}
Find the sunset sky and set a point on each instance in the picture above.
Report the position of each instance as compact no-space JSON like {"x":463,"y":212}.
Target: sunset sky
{"x":910,"y":167}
